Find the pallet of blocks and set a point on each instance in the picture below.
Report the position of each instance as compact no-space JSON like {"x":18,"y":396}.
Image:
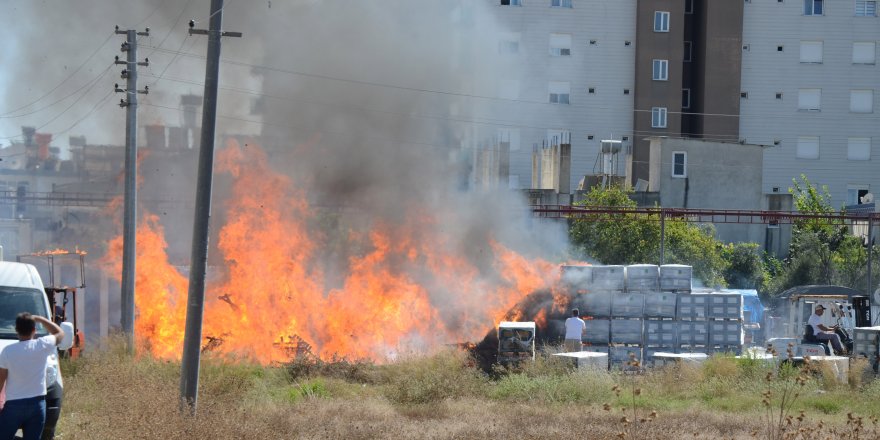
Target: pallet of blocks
{"x":866,"y":343}
{"x":642,"y":278}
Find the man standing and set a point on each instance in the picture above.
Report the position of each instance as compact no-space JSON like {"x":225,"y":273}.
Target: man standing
{"x":575,"y":327}
{"x":824,"y":333}
{"x":23,"y":371}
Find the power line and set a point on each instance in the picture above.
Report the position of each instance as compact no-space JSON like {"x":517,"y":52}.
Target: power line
{"x":86,"y":61}
{"x":77,"y":100}
{"x":87,"y":84}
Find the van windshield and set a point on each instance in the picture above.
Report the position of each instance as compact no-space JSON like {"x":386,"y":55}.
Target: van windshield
{"x":14,"y":300}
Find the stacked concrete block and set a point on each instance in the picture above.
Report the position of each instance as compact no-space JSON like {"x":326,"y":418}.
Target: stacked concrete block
{"x":627,"y":331}
{"x":692,"y":306}
{"x":866,"y":343}
{"x":724,"y":312}
{"x":642,"y":278}
{"x":608,"y":279}
{"x":693,"y":336}
{"x":660,"y":304}
{"x":598,"y":331}
{"x":596,"y":304}
{"x":725,"y":306}
{"x":628,"y":305}
{"x":675,"y":278}
{"x":650,"y":351}
{"x":660,"y":333}
{"x":621,"y":355}
{"x":725,"y":336}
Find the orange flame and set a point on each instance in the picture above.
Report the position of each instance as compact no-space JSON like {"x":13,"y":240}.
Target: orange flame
{"x":407,"y":290}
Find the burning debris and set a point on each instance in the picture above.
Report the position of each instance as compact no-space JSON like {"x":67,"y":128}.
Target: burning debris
{"x":403,"y":287}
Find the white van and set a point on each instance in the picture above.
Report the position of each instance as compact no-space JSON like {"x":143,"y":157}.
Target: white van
{"x":21,"y":290}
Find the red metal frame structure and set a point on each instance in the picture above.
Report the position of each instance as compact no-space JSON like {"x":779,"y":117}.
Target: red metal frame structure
{"x":702,"y":215}
{"x":607,"y":213}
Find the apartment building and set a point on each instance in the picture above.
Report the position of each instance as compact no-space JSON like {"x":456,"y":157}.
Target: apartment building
{"x":809,"y":89}
{"x":569,"y":75}
{"x":687,"y":73}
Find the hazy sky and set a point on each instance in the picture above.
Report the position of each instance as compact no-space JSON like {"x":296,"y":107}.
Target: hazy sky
{"x":57,"y":72}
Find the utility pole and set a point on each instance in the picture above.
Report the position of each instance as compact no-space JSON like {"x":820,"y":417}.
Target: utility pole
{"x":129,"y":223}
{"x":192,"y":339}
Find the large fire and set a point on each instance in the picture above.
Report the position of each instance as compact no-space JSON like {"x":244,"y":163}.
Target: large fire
{"x":406,"y":288}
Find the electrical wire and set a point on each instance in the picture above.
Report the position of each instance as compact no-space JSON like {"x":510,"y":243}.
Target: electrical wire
{"x":88,"y":84}
{"x":51,"y":91}
{"x":77,"y":100}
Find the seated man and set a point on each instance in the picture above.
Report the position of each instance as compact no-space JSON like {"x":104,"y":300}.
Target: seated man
{"x":823,"y":333}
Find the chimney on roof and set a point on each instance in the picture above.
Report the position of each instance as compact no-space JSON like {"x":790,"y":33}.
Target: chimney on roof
{"x":155,"y":136}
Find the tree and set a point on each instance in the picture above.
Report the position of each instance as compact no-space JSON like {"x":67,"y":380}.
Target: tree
{"x":745,"y":266}
{"x":821,"y":252}
{"x":632,"y":239}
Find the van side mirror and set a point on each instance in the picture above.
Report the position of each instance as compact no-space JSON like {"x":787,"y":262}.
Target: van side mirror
{"x":67,"y":342}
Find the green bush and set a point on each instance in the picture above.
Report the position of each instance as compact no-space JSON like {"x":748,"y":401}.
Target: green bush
{"x":422,"y":380}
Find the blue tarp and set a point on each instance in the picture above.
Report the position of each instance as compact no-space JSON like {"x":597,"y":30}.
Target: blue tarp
{"x":752,"y":307}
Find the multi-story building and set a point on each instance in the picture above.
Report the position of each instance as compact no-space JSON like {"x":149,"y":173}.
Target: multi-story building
{"x":570,"y":70}
{"x":686,"y":73}
{"x":809,"y":90}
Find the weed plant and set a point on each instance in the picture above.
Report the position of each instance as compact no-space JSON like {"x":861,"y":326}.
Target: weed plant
{"x":111,"y":395}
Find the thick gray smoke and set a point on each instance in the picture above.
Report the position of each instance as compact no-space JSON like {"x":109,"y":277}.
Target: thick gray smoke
{"x":393,"y":90}
{"x":58,"y":67}
{"x":372,"y":107}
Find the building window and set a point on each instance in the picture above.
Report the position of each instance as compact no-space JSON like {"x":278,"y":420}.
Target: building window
{"x":808,"y":147}
{"x":866,"y":8}
{"x":688,"y":51}
{"x":511,"y":2}
{"x":688,"y":6}
{"x":559,"y":92}
{"x":810,"y":99}
{"x":661,"y":21}
{"x":854,"y":194}
{"x":858,"y":149}
{"x":864,"y":52}
{"x":679,"y":163}
{"x":811,"y":51}
{"x":778,"y":95}
{"x":560,"y":45}
{"x":861,"y":101}
{"x":560,"y":3}
{"x":685,"y":98}
{"x":658,"y":117}
{"x":661,"y":70}
{"x":813,"y":7}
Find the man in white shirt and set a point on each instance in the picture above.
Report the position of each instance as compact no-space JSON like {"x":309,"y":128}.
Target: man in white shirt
{"x":824,"y":333}
{"x":575,"y":327}
{"x":23,"y":372}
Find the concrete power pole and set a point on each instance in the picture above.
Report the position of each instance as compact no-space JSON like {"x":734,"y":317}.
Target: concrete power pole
{"x":129,"y":73}
{"x":192,"y":339}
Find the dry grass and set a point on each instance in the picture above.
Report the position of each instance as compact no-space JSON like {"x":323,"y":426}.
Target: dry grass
{"x":110,"y":396}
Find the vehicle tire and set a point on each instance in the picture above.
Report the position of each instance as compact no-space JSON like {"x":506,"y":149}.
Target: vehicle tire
{"x":53,"y":411}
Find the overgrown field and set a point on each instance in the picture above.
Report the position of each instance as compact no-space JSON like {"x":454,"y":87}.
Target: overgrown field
{"x":109,"y":395}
